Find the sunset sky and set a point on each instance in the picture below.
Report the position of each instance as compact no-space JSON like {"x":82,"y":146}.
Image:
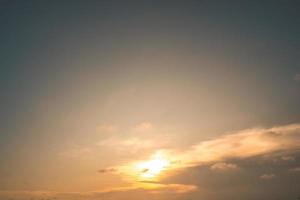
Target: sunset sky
{"x":158,"y":100}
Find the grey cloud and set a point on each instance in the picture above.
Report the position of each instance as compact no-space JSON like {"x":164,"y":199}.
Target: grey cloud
{"x":258,"y":178}
{"x":107,"y":170}
{"x":222,"y":166}
{"x":267,"y":176}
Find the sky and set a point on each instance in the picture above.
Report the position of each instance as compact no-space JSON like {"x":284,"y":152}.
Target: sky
{"x":164,"y":100}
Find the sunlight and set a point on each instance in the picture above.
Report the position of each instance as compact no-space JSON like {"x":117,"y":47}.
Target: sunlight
{"x":152,"y":168}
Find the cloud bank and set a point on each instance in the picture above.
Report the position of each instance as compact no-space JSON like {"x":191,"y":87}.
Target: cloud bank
{"x":243,"y":144}
{"x":217,"y":152}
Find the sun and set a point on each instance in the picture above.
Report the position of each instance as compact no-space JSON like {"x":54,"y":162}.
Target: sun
{"x":152,"y":168}
{"x":156,"y":167}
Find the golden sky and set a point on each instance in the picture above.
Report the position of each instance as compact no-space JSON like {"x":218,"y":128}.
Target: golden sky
{"x":160,"y":100}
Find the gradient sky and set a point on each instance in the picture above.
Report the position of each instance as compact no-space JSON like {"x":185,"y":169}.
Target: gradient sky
{"x":92,"y":89}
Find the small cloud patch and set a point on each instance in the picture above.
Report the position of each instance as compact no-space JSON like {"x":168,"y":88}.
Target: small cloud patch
{"x":108,"y":128}
{"x":287,"y":158}
{"x":144,"y":126}
{"x":267,"y":176}
{"x":224,"y":167}
{"x":297,"y":169}
{"x":107,"y":170}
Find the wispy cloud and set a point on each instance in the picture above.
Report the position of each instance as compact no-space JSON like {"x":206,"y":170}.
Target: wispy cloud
{"x":132,"y":142}
{"x":240,"y":145}
{"x":287,"y":158}
{"x":108,"y":128}
{"x":267,"y":176}
{"x":107,"y":170}
{"x":143,"y":126}
{"x":155,"y":187}
{"x":174,"y":188}
{"x":296,"y":169}
{"x":77,"y":152}
{"x":243,"y":144}
{"x":28,"y":194}
{"x":222,"y":166}
{"x":114,"y":193}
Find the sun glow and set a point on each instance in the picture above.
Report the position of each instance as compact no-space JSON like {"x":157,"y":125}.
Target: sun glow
{"x":152,"y":168}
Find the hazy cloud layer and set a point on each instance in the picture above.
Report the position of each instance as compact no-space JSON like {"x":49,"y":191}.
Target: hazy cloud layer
{"x":134,"y":143}
{"x":221,"y":154}
{"x":77,"y":152}
{"x":267,"y":176}
{"x":107,"y":128}
{"x":296,"y":169}
{"x":224,"y":166}
{"x":257,"y":177}
{"x":244,"y":144}
{"x":240,"y":145}
{"x":153,"y":192}
{"x":144,"y":126}
{"x":247,"y":155}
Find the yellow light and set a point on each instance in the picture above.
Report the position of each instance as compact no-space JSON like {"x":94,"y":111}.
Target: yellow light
{"x":150,"y":169}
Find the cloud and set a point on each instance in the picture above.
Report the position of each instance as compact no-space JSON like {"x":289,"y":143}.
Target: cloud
{"x":27,"y":194}
{"x":133,"y":142}
{"x":107,"y":170}
{"x":297,"y":77}
{"x":267,"y":176}
{"x":287,"y":158}
{"x":222,"y":166}
{"x":297,"y":169}
{"x":108,"y":128}
{"x":173,"y":188}
{"x":144,"y":126}
{"x":243,"y":144}
{"x":77,"y":152}
{"x":154,"y":187}
{"x":239,"y":145}
{"x":218,"y":153}
{"x":143,"y":190}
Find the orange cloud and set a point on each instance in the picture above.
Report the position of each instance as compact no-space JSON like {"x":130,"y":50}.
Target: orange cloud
{"x":115,"y":193}
{"x":242,"y":144}
{"x":154,"y":187}
{"x":174,"y":188}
